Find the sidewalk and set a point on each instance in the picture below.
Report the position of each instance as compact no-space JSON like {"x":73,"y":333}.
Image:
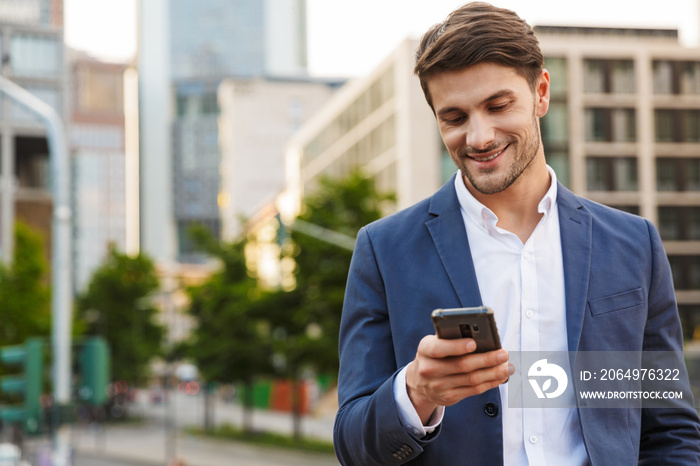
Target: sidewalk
{"x":149,"y":444}
{"x":154,"y":441}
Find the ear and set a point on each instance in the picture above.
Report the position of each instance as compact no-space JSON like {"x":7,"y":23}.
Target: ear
{"x":542,"y":94}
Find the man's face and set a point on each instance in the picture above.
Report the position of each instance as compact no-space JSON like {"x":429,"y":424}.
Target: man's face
{"x":488,"y":119}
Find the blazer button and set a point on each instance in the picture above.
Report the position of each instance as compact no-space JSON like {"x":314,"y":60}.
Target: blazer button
{"x":491,"y":409}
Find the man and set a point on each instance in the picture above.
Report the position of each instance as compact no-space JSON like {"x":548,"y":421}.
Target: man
{"x":561,"y":273}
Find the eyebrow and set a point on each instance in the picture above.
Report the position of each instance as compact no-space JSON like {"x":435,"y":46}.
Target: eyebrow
{"x":495,"y":96}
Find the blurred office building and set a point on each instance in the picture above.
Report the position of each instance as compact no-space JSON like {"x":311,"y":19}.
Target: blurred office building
{"x":187,"y":48}
{"x":31,"y":46}
{"x":258,"y":117}
{"x":623,"y":128}
{"x":98,"y":163}
{"x":380,"y":123}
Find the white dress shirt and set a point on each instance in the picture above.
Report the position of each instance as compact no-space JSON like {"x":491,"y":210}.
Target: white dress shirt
{"x":524,"y":285}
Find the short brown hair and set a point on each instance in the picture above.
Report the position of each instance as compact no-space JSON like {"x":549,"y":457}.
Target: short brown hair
{"x":478,"y":33}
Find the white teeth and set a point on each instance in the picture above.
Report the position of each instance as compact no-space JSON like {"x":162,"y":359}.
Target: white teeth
{"x":490,"y":158}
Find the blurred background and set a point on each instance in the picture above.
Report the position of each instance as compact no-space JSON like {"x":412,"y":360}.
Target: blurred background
{"x":222,"y":154}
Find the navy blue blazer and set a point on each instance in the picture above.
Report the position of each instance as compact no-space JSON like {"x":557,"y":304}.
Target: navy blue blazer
{"x":417,"y":260}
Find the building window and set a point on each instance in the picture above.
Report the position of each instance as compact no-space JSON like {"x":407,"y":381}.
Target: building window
{"x":609,"y":76}
{"x":686,"y":271}
{"x":558,"y":76}
{"x":378,"y":93}
{"x":679,"y":223}
{"x":676,"y":77}
{"x":678,"y":174}
{"x":559,"y":161}
{"x":35,"y":56}
{"x":690,"y":320}
{"x":663,"y":77}
{"x":612,"y":173}
{"x":690,"y":78}
{"x":676,"y":125}
{"x":610,"y":125}
{"x":555,"y":124}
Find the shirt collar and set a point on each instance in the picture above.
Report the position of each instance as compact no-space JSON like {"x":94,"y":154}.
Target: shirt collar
{"x":484,"y":217}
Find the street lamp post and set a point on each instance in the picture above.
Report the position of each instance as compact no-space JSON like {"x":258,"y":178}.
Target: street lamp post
{"x":62,"y":298}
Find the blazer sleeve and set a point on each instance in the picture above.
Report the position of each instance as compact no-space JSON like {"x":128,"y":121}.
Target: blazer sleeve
{"x":669,"y":436}
{"x":367,"y":428}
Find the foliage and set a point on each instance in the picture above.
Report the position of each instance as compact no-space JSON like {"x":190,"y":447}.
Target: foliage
{"x":229,"y":343}
{"x":25,"y":301}
{"x":117,"y":306}
{"x":306,"y":321}
{"x":244,"y":333}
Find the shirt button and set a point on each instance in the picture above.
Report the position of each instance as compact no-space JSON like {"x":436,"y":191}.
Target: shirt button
{"x":533,"y":439}
{"x":526,"y":255}
{"x":529,"y":313}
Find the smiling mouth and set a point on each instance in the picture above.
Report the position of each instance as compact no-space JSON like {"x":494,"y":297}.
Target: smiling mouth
{"x":489,"y":158}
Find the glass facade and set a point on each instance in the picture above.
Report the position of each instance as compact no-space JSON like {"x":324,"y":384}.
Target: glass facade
{"x":195,"y":99}
{"x":679,"y":223}
{"x":30,"y":11}
{"x":612,"y":173}
{"x":690,"y":319}
{"x":677,"y":125}
{"x":217,"y":38}
{"x":676,"y":77}
{"x":678,"y":174}
{"x":377,"y":94}
{"x":555,"y":124}
{"x":35,"y":55}
{"x":686,"y":271}
{"x":610,"y":125}
{"x":213,"y":40}
{"x":609,"y":76}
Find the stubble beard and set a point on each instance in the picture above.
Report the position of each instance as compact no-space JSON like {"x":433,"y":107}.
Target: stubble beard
{"x":488,"y":181}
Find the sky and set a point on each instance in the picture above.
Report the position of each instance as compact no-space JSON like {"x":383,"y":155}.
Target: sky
{"x":350,"y":37}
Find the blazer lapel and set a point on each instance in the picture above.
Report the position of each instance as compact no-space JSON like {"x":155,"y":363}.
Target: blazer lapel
{"x":575,"y":227}
{"x":450,"y":238}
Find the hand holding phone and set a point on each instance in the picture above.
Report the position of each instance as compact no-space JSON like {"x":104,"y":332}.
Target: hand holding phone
{"x":474,"y":322}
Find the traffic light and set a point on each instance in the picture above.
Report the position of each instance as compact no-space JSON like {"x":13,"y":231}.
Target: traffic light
{"x":94,"y":371}
{"x":29,"y":356}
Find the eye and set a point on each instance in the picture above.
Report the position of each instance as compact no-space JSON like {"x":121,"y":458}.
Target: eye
{"x":454,"y":120}
{"x":499,"y":107}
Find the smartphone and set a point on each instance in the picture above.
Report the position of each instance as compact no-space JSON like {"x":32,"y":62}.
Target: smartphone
{"x":468,"y":322}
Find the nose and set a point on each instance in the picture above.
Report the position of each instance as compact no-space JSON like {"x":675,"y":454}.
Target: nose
{"x":480,"y":132}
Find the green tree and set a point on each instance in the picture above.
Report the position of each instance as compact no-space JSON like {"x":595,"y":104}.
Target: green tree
{"x":305,"y":321}
{"x":231,"y":341}
{"x":25,"y":301}
{"x":117,"y":306}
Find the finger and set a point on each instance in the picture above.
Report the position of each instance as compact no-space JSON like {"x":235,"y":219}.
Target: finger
{"x":456,"y":384}
{"x":437,"y":348}
{"x":497,"y":374}
{"x":476,"y":361}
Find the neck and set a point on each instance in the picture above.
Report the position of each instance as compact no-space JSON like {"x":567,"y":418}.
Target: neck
{"x":517,"y":206}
